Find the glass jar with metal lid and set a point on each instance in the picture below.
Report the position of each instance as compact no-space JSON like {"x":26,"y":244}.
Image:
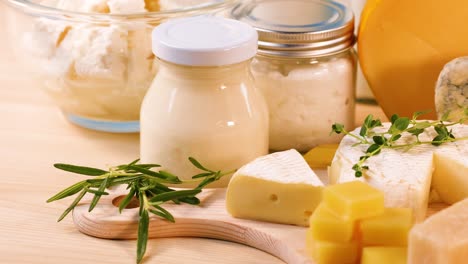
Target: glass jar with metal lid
{"x":305,"y":66}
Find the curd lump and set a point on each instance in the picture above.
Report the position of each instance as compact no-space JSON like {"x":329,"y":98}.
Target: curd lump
{"x":95,"y":71}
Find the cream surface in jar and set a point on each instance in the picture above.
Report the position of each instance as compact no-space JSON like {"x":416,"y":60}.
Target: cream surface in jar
{"x":203,"y":102}
{"x":305,"y":67}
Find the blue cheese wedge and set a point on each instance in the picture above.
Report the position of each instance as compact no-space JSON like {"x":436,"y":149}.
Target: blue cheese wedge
{"x":279,"y":188}
{"x":406,"y":176}
{"x":451,"y":93}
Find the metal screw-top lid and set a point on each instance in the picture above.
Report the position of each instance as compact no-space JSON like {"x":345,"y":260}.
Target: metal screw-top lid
{"x":299,"y":28}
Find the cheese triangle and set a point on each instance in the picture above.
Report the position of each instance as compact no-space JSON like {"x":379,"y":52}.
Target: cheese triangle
{"x":279,"y":187}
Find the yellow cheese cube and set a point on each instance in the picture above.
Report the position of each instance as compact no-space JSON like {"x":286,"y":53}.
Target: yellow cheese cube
{"x":324,"y":252}
{"x":325,"y":225}
{"x":321,"y":156}
{"x":354,"y":200}
{"x":384,"y":255}
{"x":389,"y":229}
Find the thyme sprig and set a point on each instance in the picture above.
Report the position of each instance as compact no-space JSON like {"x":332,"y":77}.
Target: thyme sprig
{"x":400,"y":126}
{"x":144,"y":183}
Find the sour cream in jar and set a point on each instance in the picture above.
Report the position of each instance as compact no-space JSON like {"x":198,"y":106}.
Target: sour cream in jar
{"x":203,"y":102}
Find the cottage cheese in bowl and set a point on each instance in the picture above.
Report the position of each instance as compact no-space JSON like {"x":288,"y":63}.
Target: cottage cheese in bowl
{"x":94,"y":57}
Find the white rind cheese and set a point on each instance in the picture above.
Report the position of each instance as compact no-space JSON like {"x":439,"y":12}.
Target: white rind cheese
{"x":279,"y":187}
{"x":405,"y":176}
{"x":451,"y":93}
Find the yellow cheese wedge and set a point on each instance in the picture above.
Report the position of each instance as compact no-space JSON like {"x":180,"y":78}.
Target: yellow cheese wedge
{"x":389,"y":229}
{"x":321,"y":156}
{"x":442,"y":238}
{"x":354,"y":200}
{"x":324,"y":252}
{"x":325,"y":225}
{"x":450,"y":178}
{"x":384,"y":255}
{"x":279,"y":188}
{"x":403,"y":46}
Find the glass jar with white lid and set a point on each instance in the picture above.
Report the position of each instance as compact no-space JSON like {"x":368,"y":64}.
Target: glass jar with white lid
{"x":305,"y":67}
{"x":203,"y":102}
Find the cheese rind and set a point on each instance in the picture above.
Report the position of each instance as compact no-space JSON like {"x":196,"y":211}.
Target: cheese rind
{"x":442,"y":238}
{"x":403,"y":175}
{"x":279,"y":188}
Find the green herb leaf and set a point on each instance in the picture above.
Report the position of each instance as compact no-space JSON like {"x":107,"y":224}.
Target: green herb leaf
{"x":379,"y":140}
{"x":163,"y":197}
{"x":73,"y":204}
{"x":127,"y":199}
{"x":202,"y":175}
{"x":155,"y":174}
{"x":198,"y":165}
{"x":143,"y":229}
{"x":80,"y":169}
{"x":161,"y":212}
{"x":416,"y":115}
{"x":337,"y":128}
{"x":74,"y":189}
{"x":402,"y":123}
{"x":394,"y":118}
{"x":98,"y":194}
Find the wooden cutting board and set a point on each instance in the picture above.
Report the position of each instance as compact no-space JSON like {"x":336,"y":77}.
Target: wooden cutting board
{"x":208,"y":220}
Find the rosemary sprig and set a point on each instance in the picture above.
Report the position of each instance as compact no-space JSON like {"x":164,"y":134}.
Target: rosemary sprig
{"x":399,"y":127}
{"x":144,"y":184}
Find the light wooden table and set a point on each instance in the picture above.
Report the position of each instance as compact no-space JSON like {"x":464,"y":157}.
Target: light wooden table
{"x":33,"y":136}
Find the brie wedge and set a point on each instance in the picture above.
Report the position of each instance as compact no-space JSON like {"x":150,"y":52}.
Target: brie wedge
{"x":279,"y":188}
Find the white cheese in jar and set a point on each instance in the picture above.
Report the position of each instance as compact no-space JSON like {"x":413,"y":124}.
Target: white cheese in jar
{"x":306,"y":68}
{"x":305,"y":101}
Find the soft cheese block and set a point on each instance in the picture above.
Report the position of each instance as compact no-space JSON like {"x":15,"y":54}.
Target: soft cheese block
{"x":404,"y":175}
{"x":279,"y":188}
{"x":442,"y":238}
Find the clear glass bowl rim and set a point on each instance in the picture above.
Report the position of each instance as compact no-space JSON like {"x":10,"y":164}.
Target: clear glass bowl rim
{"x":36,"y":9}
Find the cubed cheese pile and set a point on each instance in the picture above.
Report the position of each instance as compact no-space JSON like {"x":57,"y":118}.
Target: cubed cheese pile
{"x":351,"y":225}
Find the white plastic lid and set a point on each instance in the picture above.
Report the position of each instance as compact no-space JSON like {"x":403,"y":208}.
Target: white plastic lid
{"x":204,"y":41}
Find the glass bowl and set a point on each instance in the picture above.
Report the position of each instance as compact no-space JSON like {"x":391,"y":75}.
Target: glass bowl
{"x":94,"y":58}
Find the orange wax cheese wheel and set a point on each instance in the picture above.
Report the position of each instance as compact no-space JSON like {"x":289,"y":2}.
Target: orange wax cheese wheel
{"x":404,"y":45}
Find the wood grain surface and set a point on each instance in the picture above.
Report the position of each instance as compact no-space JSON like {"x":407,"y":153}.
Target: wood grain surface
{"x":33,"y":136}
